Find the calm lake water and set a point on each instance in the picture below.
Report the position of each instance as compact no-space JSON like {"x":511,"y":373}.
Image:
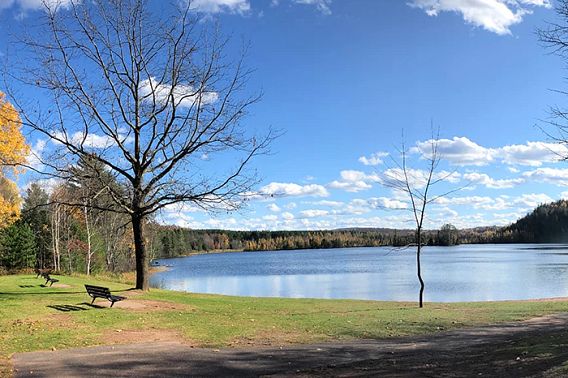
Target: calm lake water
{"x":452,"y":274}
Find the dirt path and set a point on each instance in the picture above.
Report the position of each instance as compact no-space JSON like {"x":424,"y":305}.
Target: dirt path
{"x":537,"y":347}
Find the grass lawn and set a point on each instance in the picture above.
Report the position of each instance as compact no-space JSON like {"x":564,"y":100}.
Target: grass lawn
{"x":33,"y":317}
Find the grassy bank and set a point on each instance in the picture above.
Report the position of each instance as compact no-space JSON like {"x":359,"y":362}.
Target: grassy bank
{"x":33,"y":317}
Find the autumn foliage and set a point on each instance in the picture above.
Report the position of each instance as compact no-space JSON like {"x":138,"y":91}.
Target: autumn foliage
{"x":13,"y":153}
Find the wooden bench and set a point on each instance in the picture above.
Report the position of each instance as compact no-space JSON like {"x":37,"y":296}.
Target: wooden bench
{"x":42,"y":272}
{"x":102,"y":292}
{"x":49,"y":280}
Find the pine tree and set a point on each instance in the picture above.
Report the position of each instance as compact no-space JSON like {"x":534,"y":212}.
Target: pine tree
{"x":17,"y":246}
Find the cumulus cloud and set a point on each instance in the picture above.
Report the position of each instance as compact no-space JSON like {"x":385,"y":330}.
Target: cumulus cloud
{"x":354,"y":181}
{"x":220,"y":6}
{"x":496,"y":16}
{"x":183,"y":95}
{"x":533,"y":153}
{"x":461,"y":151}
{"x":90,"y":140}
{"x":279,"y":189}
{"x":373,"y":159}
{"x":458,"y":151}
{"x":417,"y":178}
{"x":327,"y":203}
{"x":386,"y":203}
{"x":489,"y":182}
{"x":474,"y":201}
{"x":274,"y":208}
{"x":554,"y":176}
{"x":287,"y":216}
{"x":525,"y":201}
{"x":313,"y":213}
{"x":270,"y":218}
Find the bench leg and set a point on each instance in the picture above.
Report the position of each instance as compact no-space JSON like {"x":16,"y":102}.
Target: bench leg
{"x":93,"y":301}
{"x":111,"y":303}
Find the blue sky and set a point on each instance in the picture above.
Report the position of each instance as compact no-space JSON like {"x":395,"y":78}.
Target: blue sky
{"x":344,"y":78}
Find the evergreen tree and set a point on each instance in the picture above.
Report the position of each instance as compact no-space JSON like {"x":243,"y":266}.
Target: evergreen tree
{"x":35,"y":213}
{"x":18,"y":246}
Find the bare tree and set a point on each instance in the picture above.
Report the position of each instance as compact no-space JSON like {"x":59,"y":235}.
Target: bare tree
{"x":420,"y":187}
{"x":149,"y":97}
{"x":555,"y":38}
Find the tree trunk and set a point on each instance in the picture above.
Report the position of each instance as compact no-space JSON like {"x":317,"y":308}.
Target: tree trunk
{"x":140,"y":252}
{"x":89,"y":247}
{"x":418,"y":268}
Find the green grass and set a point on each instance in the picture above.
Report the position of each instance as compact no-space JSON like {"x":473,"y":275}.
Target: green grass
{"x":28,"y":323}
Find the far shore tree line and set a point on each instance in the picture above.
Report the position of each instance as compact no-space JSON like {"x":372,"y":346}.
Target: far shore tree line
{"x":85,"y":240}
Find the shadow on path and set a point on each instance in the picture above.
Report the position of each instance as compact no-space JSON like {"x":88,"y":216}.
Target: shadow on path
{"x":520,"y":349}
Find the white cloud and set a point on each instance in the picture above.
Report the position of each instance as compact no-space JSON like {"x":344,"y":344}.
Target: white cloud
{"x":551,"y":175}
{"x":474,"y":201}
{"x":354,"y":181}
{"x":496,"y":16}
{"x":533,"y":153}
{"x":489,"y":182}
{"x":539,"y":3}
{"x":291,"y":205}
{"x":183,"y":95}
{"x":274,"y":208}
{"x":35,"y":155}
{"x":417,"y":178}
{"x":458,"y":151}
{"x":386,"y":203}
{"x":327,"y":203}
{"x":373,"y":159}
{"x":462,"y":151}
{"x":279,"y":189}
{"x":31,"y":5}
{"x":91,"y":140}
{"x":314,"y":213}
{"x":287,"y":215}
{"x":220,"y":6}
{"x":532,"y":200}
{"x":46,"y":184}
{"x":525,"y":201}
{"x":322,"y":5}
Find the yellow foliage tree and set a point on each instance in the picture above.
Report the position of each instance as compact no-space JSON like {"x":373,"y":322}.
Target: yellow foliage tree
{"x":13,"y":152}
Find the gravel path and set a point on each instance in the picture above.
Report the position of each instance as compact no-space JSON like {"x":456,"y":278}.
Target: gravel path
{"x":537,"y":347}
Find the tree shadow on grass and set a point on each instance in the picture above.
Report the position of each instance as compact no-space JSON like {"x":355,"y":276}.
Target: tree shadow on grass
{"x":26,"y":286}
{"x":19,"y":293}
{"x":67,"y":307}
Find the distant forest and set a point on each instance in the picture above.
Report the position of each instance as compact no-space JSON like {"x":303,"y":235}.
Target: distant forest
{"x":547,"y":223}
{"x":171,"y":241}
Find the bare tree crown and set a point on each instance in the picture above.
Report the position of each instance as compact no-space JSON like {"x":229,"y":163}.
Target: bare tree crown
{"x":145,"y":96}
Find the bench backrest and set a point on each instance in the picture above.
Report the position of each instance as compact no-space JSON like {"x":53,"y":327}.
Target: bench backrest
{"x":98,"y":291}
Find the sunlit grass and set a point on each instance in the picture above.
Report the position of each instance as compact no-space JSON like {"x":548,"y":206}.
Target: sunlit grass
{"x":31,"y":317}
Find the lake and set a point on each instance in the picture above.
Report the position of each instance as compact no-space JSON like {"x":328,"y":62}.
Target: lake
{"x":452,"y":274}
